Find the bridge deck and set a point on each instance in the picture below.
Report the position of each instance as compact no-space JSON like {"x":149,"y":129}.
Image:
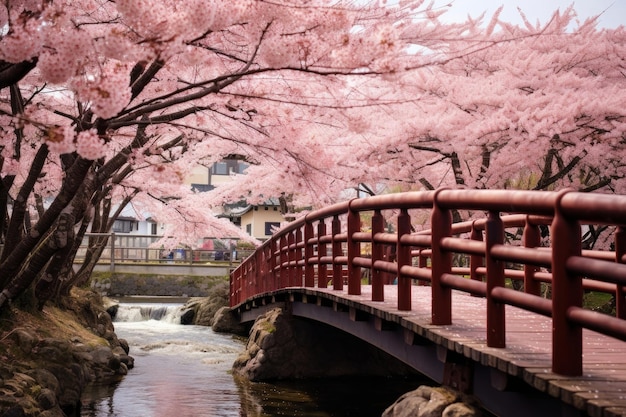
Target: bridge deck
{"x":601,"y":391}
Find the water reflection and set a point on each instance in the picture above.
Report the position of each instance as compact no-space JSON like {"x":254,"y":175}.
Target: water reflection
{"x":336,"y":397}
{"x":185,"y":371}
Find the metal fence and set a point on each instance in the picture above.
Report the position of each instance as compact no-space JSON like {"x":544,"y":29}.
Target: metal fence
{"x":123,"y":248}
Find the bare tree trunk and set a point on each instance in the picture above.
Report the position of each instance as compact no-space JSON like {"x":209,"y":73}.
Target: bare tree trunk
{"x":29,"y":249}
{"x":99,"y":243}
{"x":64,"y":237}
{"x":5,"y":186}
{"x":61,"y":265}
{"x":67,"y":276}
{"x":15,"y":231}
{"x":53,"y":242}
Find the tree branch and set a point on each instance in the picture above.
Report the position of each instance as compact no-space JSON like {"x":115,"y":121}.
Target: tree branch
{"x":13,"y":73}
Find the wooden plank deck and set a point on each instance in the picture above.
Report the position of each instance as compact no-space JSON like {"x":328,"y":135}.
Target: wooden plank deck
{"x":601,"y":390}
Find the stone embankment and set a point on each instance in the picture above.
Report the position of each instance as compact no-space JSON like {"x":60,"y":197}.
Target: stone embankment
{"x":49,"y":357}
{"x":127,"y":284}
{"x":279,"y":348}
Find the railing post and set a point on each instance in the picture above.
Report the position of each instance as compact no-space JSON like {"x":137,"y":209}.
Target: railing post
{"x":567,"y":291}
{"x":270,"y":279}
{"x":238,"y":286}
{"x":496,"y":324}
{"x":274,"y":267}
{"x":309,"y":269}
{"x":112,"y":266}
{"x":620,"y":250}
{"x":262,"y":269}
{"x":291,"y":267}
{"x":531,"y":239}
{"x":476,"y":261}
{"x":253,"y":274}
{"x":354,"y":250}
{"x":298,"y":255}
{"x":441,"y":224}
{"x":378,"y":252}
{"x":403,"y":257}
{"x":322,"y":268}
{"x":232,"y":299}
{"x":337,"y":251}
{"x":283,"y":262}
{"x":422,"y":262}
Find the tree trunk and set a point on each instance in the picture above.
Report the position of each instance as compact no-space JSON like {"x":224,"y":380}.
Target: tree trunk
{"x":29,"y":248}
{"x":47,"y":285}
{"x":53,"y":242}
{"x":60,"y":268}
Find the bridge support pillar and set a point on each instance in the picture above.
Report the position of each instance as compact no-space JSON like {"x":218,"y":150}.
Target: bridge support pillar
{"x":457,"y":371}
{"x":502,"y":381}
{"x":383,"y":325}
{"x":358,"y":315}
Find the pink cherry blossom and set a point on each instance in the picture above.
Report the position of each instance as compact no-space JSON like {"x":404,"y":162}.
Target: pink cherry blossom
{"x":60,"y":139}
{"x":318,"y":97}
{"x":89,"y":145}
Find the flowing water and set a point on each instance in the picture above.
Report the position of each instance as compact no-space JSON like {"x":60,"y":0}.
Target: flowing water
{"x":184,"y":371}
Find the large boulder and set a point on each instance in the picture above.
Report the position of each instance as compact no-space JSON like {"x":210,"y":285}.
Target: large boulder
{"x":428,"y":401}
{"x":201,"y":311}
{"x":225,"y":321}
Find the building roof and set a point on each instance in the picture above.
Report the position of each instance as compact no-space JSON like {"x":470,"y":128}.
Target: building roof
{"x":241,"y":208}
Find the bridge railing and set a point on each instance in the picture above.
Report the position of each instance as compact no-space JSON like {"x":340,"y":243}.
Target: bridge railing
{"x":548,"y":267}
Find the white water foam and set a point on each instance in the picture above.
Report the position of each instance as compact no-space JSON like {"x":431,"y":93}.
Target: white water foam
{"x":181,"y":370}
{"x":168,"y":313}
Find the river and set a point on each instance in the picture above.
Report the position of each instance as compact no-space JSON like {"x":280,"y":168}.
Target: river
{"x":184,"y":371}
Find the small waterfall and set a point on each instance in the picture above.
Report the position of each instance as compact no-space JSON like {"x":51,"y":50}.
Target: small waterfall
{"x":130,"y":312}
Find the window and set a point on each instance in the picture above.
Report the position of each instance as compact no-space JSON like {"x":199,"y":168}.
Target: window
{"x":241,"y":167}
{"x":249,"y":229}
{"x":269,"y":226}
{"x":123,"y":226}
{"x":220,"y":168}
{"x":229,"y":166}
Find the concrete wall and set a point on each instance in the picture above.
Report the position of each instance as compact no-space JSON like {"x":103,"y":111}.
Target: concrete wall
{"x":124,"y":284}
{"x":197,"y":270}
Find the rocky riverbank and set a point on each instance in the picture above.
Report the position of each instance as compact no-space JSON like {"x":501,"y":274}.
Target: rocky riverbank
{"x":48,"y":357}
{"x":213,"y":311}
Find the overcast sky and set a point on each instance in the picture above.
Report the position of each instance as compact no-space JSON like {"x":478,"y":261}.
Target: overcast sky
{"x":613,"y":11}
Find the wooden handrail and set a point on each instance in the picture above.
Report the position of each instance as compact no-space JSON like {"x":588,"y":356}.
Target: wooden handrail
{"x":328,"y":246}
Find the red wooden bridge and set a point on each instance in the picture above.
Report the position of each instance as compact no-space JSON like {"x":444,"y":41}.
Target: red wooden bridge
{"x":495,"y":306}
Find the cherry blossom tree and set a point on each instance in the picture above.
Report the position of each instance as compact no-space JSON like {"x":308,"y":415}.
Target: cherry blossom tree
{"x":106,"y":104}
{"x":538,"y":107}
{"x":527,"y":111}
{"x":534,"y":107}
